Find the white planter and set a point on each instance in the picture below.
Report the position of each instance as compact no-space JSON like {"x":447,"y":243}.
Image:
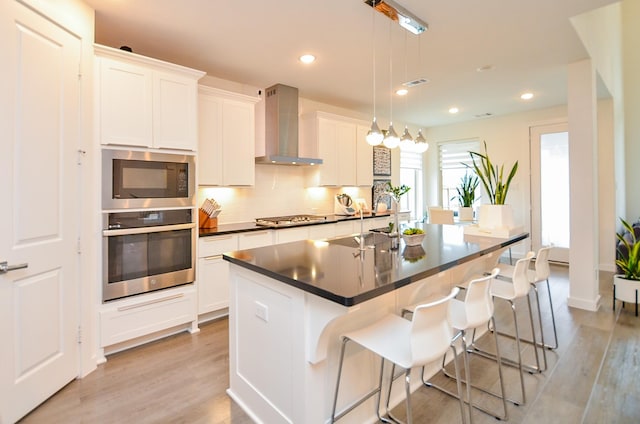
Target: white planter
{"x":492,"y":217}
{"x":465,"y":213}
{"x":626,"y":289}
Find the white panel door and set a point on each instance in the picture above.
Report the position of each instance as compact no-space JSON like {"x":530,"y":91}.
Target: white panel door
{"x":39,"y":137}
{"x":550,"y":216}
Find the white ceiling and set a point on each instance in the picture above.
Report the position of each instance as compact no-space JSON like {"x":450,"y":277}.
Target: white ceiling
{"x":257,"y":42}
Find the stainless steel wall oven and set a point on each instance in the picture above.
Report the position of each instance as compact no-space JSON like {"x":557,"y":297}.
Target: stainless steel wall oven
{"x":147,"y":250}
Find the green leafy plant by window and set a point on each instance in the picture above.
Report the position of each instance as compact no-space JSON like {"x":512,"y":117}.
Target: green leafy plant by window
{"x":492,"y":176}
{"x":398,"y":191}
{"x":467,"y":190}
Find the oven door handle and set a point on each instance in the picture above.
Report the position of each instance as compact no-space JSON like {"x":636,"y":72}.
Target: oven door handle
{"x":146,"y":230}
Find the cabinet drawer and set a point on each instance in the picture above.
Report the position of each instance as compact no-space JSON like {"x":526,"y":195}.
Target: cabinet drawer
{"x":323,"y":231}
{"x":345,"y":228}
{"x":254,"y":239}
{"x":291,"y":234}
{"x":217,"y":245}
{"x":128,"y":319}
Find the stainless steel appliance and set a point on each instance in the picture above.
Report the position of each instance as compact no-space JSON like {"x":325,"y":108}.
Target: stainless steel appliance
{"x":136,"y":179}
{"x":147,"y":250}
{"x":281,"y":128}
{"x":290,"y":220}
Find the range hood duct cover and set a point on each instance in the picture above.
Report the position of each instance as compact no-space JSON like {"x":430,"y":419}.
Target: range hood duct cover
{"x":281,"y":128}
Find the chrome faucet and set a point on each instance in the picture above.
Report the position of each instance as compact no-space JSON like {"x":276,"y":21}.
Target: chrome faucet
{"x":394,"y":210}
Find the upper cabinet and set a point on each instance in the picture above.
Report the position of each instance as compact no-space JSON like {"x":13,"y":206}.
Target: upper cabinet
{"x":145,"y":102}
{"x":226,"y":133}
{"x":347,"y":159}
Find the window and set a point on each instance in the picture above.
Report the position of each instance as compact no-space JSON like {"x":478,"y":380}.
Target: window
{"x":411,"y":175}
{"x":453,"y":157}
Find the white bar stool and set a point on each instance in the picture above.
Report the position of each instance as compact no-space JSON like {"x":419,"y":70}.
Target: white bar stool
{"x":474,"y":311}
{"x":539,"y":274}
{"x":404,"y":343}
{"x":518,"y":288}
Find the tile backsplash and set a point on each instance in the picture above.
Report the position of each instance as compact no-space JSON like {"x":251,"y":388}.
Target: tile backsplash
{"x":278,"y":190}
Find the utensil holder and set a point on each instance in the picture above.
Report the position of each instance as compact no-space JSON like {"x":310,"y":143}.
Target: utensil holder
{"x":205,"y":221}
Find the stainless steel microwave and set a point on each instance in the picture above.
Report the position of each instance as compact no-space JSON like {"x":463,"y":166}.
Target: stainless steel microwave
{"x":136,"y":179}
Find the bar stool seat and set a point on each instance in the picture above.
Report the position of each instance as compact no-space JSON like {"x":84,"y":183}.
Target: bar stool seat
{"x":404,"y":343}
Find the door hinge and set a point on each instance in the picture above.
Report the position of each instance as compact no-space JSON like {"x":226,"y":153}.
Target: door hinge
{"x":79,"y":335}
{"x":79,"y":246}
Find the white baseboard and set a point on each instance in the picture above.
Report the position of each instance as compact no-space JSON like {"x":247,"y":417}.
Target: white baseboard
{"x":586,"y":304}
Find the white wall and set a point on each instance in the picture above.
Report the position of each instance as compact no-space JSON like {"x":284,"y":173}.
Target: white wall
{"x":507,"y":140}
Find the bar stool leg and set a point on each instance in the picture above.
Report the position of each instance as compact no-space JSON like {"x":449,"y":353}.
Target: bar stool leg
{"x":515,"y":321}
{"x":553,"y":317}
{"x":335,"y":395}
{"x":533,"y":333}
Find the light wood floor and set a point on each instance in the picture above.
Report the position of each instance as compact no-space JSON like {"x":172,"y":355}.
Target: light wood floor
{"x":593,"y":377}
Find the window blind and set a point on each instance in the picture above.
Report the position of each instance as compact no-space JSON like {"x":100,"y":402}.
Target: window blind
{"x":410,"y":160}
{"x":455,"y":154}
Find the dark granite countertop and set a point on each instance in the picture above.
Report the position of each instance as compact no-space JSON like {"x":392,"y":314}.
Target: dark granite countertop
{"x":243,"y":227}
{"x":336,"y":270}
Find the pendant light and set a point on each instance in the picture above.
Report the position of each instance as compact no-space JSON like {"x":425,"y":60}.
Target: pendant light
{"x":391,"y":139}
{"x":406,"y":141}
{"x":374,"y":136}
{"x":421,"y":144}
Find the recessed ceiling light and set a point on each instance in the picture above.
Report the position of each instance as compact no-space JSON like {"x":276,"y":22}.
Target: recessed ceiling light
{"x":526,"y":96}
{"x":454,"y":110}
{"x":307,"y":58}
{"x":402,"y":92}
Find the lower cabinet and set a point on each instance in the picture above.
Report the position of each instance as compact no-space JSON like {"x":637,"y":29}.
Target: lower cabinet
{"x":213,"y":272}
{"x":138,"y":316}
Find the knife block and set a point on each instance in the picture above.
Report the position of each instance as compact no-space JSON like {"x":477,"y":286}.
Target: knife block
{"x":205,"y":221}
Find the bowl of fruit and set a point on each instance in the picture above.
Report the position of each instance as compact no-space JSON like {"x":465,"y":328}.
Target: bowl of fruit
{"x":413,"y":236}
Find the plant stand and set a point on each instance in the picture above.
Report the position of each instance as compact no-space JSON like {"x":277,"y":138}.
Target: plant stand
{"x":625,"y":290}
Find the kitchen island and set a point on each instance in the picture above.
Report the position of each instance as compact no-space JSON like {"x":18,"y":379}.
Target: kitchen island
{"x":289,"y":304}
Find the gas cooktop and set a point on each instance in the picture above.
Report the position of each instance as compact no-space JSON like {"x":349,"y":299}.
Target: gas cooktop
{"x":291,"y":220}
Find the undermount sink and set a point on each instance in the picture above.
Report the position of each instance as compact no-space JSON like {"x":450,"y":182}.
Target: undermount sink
{"x":372,"y":238}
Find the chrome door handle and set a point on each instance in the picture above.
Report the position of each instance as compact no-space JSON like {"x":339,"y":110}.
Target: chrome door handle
{"x":5,"y":267}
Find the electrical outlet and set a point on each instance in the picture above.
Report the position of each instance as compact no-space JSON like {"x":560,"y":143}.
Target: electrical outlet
{"x":262,"y":311}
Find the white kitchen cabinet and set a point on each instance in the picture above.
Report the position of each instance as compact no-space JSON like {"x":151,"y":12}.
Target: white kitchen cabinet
{"x":213,"y":272}
{"x":322,"y":231}
{"x":226,"y":138}
{"x":253,"y":239}
{"x":336,"y":140}
{"x":346,"y":228}
{"x":287,"y":235}
{"x":138,"y":316}
{"x":364,"y":157}
{"x":145,"y":102}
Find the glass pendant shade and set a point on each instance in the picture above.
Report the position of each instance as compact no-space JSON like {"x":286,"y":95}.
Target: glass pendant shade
{"x":406,"y":141}
{"x":421,"y":144}
{"x":391,"y":140}
{"x":374,"y":136}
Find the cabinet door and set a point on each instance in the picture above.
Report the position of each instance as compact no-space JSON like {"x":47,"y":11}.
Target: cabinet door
{"x":291,"y":234}
{"x":174,"y":112}
{"x":213,"y":284}
{"x":238,"y":135}
{"x":327,"y":142}
{"x":210,"y":160}
{"x":125,"y":104}
{"x":346,"y":153}
{"x":364,"y":158}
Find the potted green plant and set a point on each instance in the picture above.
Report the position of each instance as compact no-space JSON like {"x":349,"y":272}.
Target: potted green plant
{"x":626,"y":285}
{"x":497,"y":214}
{"x":396,"y":192}
{"x":466,"y":195}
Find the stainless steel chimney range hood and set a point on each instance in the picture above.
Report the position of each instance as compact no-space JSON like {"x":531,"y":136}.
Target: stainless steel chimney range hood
{"x":281,"y":128}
